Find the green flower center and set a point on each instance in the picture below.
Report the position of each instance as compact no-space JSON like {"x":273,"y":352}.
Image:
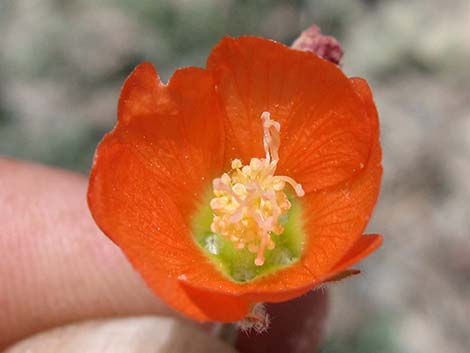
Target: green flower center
{"x":239,"y":264}
{"x":249,"y":225}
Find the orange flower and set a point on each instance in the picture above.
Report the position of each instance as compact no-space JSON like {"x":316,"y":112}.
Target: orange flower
{"x":219,"y":209}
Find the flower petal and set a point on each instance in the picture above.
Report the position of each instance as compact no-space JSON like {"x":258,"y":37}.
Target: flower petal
{"x":219,"y":307}
{"x":336,"y":218}
{"x":325,"y":133}
{"x":140,"y":218}
{"x":143,"y":220}
{"x":177,"y":130}
{"x":148,"y":174}
{"x":361,"y":248}
{"x":365,"y":245}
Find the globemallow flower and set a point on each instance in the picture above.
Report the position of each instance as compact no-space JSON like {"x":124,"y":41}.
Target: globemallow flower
{"x":245,"y":182}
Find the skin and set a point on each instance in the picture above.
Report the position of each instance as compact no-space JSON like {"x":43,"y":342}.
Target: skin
{"x":57,"y":268}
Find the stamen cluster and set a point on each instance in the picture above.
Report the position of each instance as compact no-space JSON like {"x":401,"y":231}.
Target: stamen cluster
{"x":250,"y":200}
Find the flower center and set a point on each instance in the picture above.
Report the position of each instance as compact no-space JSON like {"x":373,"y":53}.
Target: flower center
{"x":250,"y":200}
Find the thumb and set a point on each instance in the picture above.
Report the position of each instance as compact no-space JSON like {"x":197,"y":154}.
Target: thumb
{"x":150,"y":334}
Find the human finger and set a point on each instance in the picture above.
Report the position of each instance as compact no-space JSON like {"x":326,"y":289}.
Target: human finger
{"x":55,"y":265}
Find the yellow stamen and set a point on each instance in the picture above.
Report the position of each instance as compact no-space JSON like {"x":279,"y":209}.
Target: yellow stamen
{"x":250,"y":199}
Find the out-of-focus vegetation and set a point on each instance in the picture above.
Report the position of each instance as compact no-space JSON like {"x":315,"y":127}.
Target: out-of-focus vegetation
{"x":62,"y":64}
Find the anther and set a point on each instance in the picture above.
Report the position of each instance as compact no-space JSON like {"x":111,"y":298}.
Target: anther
{"x":250,"y":199}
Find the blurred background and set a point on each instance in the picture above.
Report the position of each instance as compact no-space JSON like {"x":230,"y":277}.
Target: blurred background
{"x":62,"y":63}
